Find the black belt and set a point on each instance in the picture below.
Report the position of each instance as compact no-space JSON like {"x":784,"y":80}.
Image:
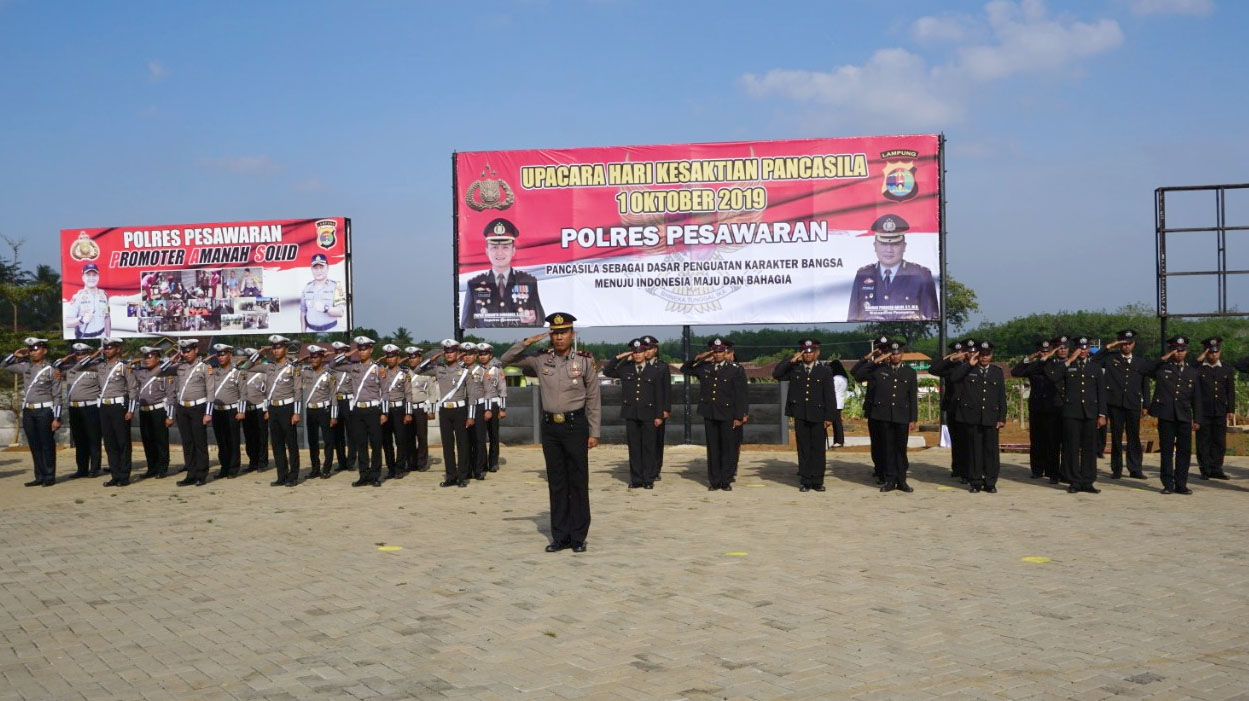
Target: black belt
{"x":555,"y":417}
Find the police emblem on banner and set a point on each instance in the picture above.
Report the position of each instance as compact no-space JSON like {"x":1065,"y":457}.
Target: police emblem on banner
{"x":327,"y":233}
{"x":899,"y":180}
{"x":489,"y":192}
{"x":84,"y":248}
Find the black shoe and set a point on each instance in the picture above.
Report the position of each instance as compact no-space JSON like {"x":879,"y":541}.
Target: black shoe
{"x":887,"y":488}
{"x":325,"y":474}
{"x":578,"y":547}
{"x":222,"y":475}
{"x":232,"y":474}
{"x":974,"y":489}
{"x":1220,"y":476}
{"x":556,"y":547}
{"x":963,"y":480}
{"x":1165,"y":490}
{"x":1116,"y":475}
{"x":162,"y":474}
{"x":377,"y":483}
{"x":447,"y":483}
{"x":1037,"y":477}
{"x":906,"y":487}
{"x":991,"y":490}
{"x":713,"y":487}
{"x":1091,"y":489}
{"x":479,"y":476}
{"x":804,"y":488}
{"x":1054,"y":480}
{"x":93,"y":473}
{"x":727,"y":487}
{"x":274,"y":483}
{"x":362,"y":482}
{"x":658,"y":477}
{"x":35,"y":483}
{"x":1137,"y":475}
{"x":1183,"y":490}
{"x":953,"y":474}
{"x":1072,"y":489}
{"x":185,"y":482}
{"x":880,"y":480}
{"x":292,"y":482}
{"x":493,"y":468}
{"x":462,"y":483}
{"x":111,"y":483}
{"x":634,"y":486}
{"x":1204,"y":476}
{"x":49,"y":482}
{"x":201,"y":482}
{"x":819,"y":488}
{"x":648,"y":485}
{"x":400,"y":474}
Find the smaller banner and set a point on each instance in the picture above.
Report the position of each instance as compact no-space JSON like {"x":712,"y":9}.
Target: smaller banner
{"x":276,"y":276}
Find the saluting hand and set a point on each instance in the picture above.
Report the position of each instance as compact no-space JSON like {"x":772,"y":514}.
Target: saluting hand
{"x":535,"y":338}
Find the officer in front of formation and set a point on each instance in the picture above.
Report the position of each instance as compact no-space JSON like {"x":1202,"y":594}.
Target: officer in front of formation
{"x":418,"y":410}
{"x":1127,"y":395}
{"x":318,"y":381}
{"x":82,"y":395}
{"x":155,"y":398}
{"x":495,"y":402}
{"x":571,"y":406}
{"x":364,"y":384}
{"x":225,"y":409}
{"x":722,"y":404}
{"x":283,"y":408}
{"x":641,"y":407}
{"x":41,"y":406}
{"x":456,"y":407}
{"x":1044,"y":418}
{"x":394,"y":398}
{"x":190,"y":391}
{"x":1218,"y":406}
{"x":255,"y":428}
{"x":1177,"y":403}
{"x":1084,"y":409}
{"x":895,"y":409}
{"x":960,"y":355}
{"x":811,"y":402}
{"x":981,"y":410}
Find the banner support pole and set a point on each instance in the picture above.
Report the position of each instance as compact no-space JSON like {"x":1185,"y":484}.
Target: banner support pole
{"x":685,"y":385}
{"x":941,"y":333}
{"x":455,"y":251}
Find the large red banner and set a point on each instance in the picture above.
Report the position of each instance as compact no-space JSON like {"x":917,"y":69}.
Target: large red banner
{"x":275,"y":276}
{"x":801,"y":231}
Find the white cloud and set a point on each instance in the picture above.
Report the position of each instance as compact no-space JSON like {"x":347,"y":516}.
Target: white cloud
{"x":156,"y":71}
{"x":898,"y":89}
{"x":944,"y":29}
{"x":243,"y":165}
{"x":1199,"y":8}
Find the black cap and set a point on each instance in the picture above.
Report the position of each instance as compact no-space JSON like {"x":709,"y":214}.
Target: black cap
{"x":889,"y":228}
{"x":651,"y":340}
{"x":1060,"y":340}
{"x":1080,"y":342}
{"x":501,"y":231}
{"x":1213,"y":343}
{"x":1178,"y":342}
{"x":717,"y":344}
{"x":881,"y":343}
{"x":1044,"y":344}
{"x":986,"y":346}
{"x":1127,"y":334}
{"x":956,"y":345}
{"x":809,"y":344}
{"x":560,"y":320}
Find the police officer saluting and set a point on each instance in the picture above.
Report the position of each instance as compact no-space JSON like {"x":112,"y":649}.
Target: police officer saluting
{"x":722,"y":404}
{"x":895,"y":409}
{"x":318,"y":381}
{"x":1177,"y":403}
{"x":1127,"y":395}
{"x":154,"y":393}
{"x":190,"y":390}
{"x":364,"y":379}
{"x":1044,"y":421}
{"x":344,"y":445}
{"x":477,"y":391}
{"x":82,"y":394}
{"x":981,"y":409}
{"x":495,"y":402}
{"x":652,"y":358}
{"x":640,"y":407}
{"x":962,"y":355}
{"x":1084,"y":409}
{"x":118,"y":403}
{"x":394,"y":430}
{"x":41,"y":406}
{"x":283,"y":407}
{"x":1218,"y":407}
{"x":418,"y":410}
{"x":569,"y":389}
{"x":811,"y":402}
{"x":225,"y":409}
{"x":255,"y":428}
{"x":456,"y":410}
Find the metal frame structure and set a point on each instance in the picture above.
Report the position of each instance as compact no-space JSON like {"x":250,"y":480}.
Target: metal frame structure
{"x":1220,"y":228}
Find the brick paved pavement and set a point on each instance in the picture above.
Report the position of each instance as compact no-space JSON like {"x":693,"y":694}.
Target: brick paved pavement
{"x":239,"y":590}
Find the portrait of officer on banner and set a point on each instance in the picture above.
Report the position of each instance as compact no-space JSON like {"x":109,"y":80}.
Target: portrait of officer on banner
{"x":501,"y":296}
{"x":323,"y":302}
{"x":87,"y":311}
{"x":892,"y":289}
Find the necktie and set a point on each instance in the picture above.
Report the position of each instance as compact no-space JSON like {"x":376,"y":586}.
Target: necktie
{"x":501,"y":282}
{"x":888,"y":280}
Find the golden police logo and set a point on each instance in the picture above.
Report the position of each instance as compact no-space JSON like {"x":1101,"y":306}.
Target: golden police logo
{"x":899,"y":175}
{"x":489,"y":192}
{"x":83,"y":248}
{"x":327,"y":233}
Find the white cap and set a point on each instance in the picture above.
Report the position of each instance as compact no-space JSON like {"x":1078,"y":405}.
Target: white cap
{"x":414,"y":350}
{"x":220,"y":347}
{"x":248,"y":351}
{"x":147,"y":350}
{"x":468,"y":346}
{"x":31,"y":340}
{"x":277,"y":340}
{"x":390,"y":348}
{"x":314,"y":348}
{"x":339,"y":345}
{"x":450,"y":344}
{"x":188,"y":343}
{"x":363,"y":341}
{"x":483,"y":346}
{"x":111,"y":341}
{"x":78,"y":347}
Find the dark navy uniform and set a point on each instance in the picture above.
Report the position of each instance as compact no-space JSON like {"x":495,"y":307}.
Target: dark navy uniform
{"x":722,"y":401}
{"x":1176,"y":404}
{"x":901,"y":292}
{"x":641,"y":406}
{"x":895,"y":407}
{"x":652,"y":357}
{"x":1044,"y":413}
{"x":1218,"y":400}
{"x":494,"y":300}
{"x":812,"y":403}
{"x":981,"y":409}
{"x":943,"y":368}
{"x":1080,"y":384}
{"x":1127,"y":392}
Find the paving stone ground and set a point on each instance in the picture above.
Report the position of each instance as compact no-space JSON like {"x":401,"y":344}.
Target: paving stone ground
{"x":240,"y":590}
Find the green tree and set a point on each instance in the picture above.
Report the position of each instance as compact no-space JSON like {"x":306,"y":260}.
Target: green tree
{"x":401,"y":337}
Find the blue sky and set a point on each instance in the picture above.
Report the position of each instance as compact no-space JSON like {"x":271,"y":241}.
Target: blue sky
{"x":1061,"y":118}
